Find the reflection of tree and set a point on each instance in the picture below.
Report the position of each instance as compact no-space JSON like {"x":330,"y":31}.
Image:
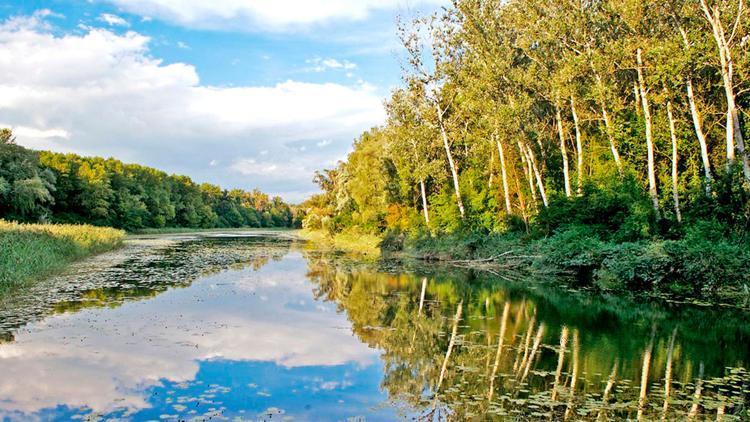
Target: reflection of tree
{"x":459,"y":351}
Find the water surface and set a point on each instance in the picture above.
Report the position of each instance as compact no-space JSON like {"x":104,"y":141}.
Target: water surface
{"x":264,"y":327}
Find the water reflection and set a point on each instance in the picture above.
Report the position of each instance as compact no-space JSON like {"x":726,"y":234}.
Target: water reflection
{"x":262,"y":329}
{"x":461,"y":346}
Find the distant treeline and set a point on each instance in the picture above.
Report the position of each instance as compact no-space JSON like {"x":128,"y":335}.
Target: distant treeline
{"x":67,"y":188}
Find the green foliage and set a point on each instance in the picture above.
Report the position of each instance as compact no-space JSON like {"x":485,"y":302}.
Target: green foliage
{"x":576,"y":250}
{"x":67,"y":188}
{"x":619,"y":210}
{"x":30,"y":251}
{"x":25,"y":186}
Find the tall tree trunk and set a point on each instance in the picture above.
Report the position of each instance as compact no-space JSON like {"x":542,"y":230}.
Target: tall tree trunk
{"x":675,"y":193}
{"x":454,"y":172}
{"x":579,"y":145}
{"x":424,"y":201}
{"x":734,"y":131}
{"x":521,"y":201}
{"x":610,"y":135}
{"x":504,"y":175}
{"x":539,"y":181}
{"x":637,"y":97}
{"x":607,"y":123}
{"x":698,"y":125}
{"x":528,"y":172}
{"x":649,"y":136}
{"x":563,"y":150}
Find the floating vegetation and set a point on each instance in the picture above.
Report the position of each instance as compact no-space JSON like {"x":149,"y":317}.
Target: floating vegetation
{"x":453,"y":344}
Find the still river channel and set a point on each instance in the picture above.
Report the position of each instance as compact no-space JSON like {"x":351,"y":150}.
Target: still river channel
{"x":266,"y":327}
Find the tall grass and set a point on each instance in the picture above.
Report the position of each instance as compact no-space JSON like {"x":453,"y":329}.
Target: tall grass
{"x":30,"y":251}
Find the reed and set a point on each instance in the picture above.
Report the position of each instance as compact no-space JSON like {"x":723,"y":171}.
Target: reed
{"x":32,"y":251}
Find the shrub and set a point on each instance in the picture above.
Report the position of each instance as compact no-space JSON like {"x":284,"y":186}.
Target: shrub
{"x":639,"y":266}
{"x":576,"y":250}
{"x":620,"y":211}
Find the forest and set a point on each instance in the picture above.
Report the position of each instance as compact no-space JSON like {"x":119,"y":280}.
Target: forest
{"x":69,"y":189}
{"x":606,"y":136}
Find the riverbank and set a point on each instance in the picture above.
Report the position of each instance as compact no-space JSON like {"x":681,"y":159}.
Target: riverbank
{"x":701,"y":266}
{"x":33,"y":251}
{"x":353,"y":241}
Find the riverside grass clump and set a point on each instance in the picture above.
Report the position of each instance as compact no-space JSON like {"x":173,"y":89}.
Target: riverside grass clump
{"x":30,"y":251}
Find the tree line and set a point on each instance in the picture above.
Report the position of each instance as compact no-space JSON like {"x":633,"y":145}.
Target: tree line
{"x":67,"y":188}
{"x":513,"y":110}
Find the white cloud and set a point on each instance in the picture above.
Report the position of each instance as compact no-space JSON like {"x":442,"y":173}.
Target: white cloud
{"x":103,"y":93}
{"x":113,"y":20}
{"x":321,"y":65}
{"x":260,"y":14}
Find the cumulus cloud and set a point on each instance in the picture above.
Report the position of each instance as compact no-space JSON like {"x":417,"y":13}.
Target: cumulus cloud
{"x":113,"y":20}
{"x":321,"y":65}
{"x":103,"y":93}
{"x":260,"y":14}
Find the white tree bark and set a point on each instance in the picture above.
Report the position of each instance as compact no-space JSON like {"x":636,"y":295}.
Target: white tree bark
{"x":579,"y":145}
{"x":504,"y":175}
{"x":734,"y":131}
{"x":528,"y":172}
{"x":673,"y":135}
{"x":537,"y":174}
{"x":611,"y":137}
{"x":649,"y":136}
{"x":697,"y":121}
{"x":424,"y":201}
{"x":563,"y":150}
{"x":698,"y":125}
{"x":607,"y":123}
{"x":454,"y":172}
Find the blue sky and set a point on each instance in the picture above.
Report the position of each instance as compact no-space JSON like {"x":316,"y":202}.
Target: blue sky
{"x":255,"y":93}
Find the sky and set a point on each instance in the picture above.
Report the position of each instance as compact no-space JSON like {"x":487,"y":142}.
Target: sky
{"x":239,"y":93}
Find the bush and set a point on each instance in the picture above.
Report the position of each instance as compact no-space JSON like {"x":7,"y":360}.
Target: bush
{"x":639,"y":266}
{"x":576,"y":250}
{"x":620,"y":212}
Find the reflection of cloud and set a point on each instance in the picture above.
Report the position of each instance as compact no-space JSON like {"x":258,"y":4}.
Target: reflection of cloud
{"x":105,"y":358}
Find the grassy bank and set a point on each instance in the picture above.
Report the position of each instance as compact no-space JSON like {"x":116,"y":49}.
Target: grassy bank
{"x":704,"y":265}
{"x":31,"y":251}
{"x":350,"y":241}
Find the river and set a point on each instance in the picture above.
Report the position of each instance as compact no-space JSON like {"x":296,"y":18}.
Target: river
{"x":262,"y":326}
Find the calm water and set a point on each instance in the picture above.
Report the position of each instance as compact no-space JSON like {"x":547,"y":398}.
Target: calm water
{"x":266,"y":328}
